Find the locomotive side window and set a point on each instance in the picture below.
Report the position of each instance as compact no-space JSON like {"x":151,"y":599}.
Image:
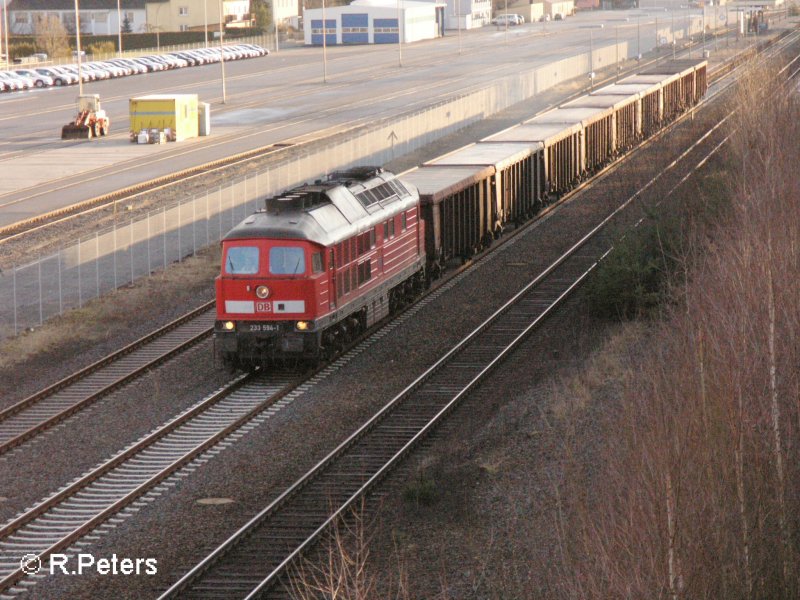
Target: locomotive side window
{"x":316,"y":262}
{"x":372,"y":236}
{"x":242,"y":260}
{"x":386,"y":230}
{"x":286,"y":261}
{"x":364,"y":272}
{"x":403,"y":221}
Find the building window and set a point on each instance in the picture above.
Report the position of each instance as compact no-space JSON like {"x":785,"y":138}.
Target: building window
{"x":184,"y":28}
{"x":21,"y":18}
{"x":101,"y":17}
{"x":183,"y":11}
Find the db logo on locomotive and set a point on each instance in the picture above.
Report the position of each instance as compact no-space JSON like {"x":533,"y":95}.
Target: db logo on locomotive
{"x":263,"y":306}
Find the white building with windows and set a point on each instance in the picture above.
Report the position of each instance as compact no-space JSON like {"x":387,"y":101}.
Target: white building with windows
{"x":374,"y":22}
{"x":470,"y":13}
{"x":98,"y":17}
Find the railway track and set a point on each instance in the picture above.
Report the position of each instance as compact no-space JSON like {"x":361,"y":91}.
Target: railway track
{"x":253,"y":561}
{"x":77,"y":509}
{"x":131,"y":193}
{"x":256,"y":560}
{"x":48,"y":407}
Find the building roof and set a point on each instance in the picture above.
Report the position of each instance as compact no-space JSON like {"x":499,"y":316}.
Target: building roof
{"x":70,"y":4}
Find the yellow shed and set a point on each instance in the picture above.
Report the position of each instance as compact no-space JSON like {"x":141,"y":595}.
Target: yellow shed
{"x":160,"y":111}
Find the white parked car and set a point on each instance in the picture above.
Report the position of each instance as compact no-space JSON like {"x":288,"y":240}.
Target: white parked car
{"x":509,"y":19}
{"x":39,"y":79}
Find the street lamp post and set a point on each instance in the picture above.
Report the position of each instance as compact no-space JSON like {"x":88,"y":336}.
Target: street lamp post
{"x":205,"y":22}
{"x":673,"y":33}
{"x":119,"y":29}
{"x":399,"y":38}
{"x":77,"y":46}
{"x":638,"y":38}
{"x":506,"y":33}
{"x":158,"y":28}
{"x":8,"y":32}
{"x":591,"y":60}
{"x":324,"y":46}
{"x":221,"y":53}
{"x":458,"y":23}
{"x":275,"y":24}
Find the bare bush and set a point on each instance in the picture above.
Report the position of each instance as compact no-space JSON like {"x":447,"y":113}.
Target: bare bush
{"x":695,"y":492}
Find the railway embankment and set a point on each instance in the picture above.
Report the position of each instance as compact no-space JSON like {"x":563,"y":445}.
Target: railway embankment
{"x":645,"y":444}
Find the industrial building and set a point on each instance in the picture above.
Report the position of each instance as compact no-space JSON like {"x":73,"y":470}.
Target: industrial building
{"x":374,"y":22}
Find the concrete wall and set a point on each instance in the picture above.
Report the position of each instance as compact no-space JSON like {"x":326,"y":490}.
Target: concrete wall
{"x":111,"y":259}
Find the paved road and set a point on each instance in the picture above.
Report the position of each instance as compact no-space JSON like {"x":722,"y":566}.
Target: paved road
{"x":275,"y":98}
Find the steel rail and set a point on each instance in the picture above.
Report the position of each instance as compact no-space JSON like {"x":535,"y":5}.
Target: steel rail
{"x":232,"y":556}
{"x":24,"y":420}
{"x":16,"y":230}
{"x":15,"y":576}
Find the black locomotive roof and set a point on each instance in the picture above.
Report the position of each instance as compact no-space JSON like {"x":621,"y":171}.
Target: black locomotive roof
{"x":327,"y":212}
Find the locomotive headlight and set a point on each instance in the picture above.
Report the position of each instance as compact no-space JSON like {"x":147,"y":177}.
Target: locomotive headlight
{"x":303,"y":325}
{"x":229,"y":325}
{"x":262,"y":291}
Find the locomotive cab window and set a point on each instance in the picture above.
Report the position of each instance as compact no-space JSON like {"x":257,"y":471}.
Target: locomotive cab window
{"x":287,"y":260}
{"x":242,"y":260}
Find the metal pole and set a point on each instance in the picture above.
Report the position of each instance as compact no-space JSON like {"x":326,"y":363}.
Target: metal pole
{"x":205,"y":22}
{"x":2,"y":19}
{"x":591,"y":60}
{"x":119,"y":29}
{"x":78,"y":46}
{"x":275,"y":23}
{"x":60,"y":293}
{"x":324,"y":46}
{"x":131,"y":247}
{"x":41,"y":319}
{"x":14,"y":275}
{"x":458,"y":23}
{"x":505,"y":41}
{"x":639,"y":38}
{"x":399,"y":38}
{"x":221,"y":53}
{"x":673,"y":33}
{"x":8,"y":32}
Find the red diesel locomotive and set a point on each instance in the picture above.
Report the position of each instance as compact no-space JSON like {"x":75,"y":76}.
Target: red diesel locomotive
{"x":317,"y":266}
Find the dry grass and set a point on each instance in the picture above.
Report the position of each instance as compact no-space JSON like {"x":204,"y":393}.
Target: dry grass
{"x":137,"y":309}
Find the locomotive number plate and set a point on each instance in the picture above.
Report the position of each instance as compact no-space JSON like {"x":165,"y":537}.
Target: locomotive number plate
{"x":263,"y":327}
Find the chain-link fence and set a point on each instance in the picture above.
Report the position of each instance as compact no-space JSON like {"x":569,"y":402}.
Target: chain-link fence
{"x":32,"y":293}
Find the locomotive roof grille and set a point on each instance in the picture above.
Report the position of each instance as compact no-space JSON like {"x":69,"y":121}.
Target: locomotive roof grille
{"x":384,"y":192}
